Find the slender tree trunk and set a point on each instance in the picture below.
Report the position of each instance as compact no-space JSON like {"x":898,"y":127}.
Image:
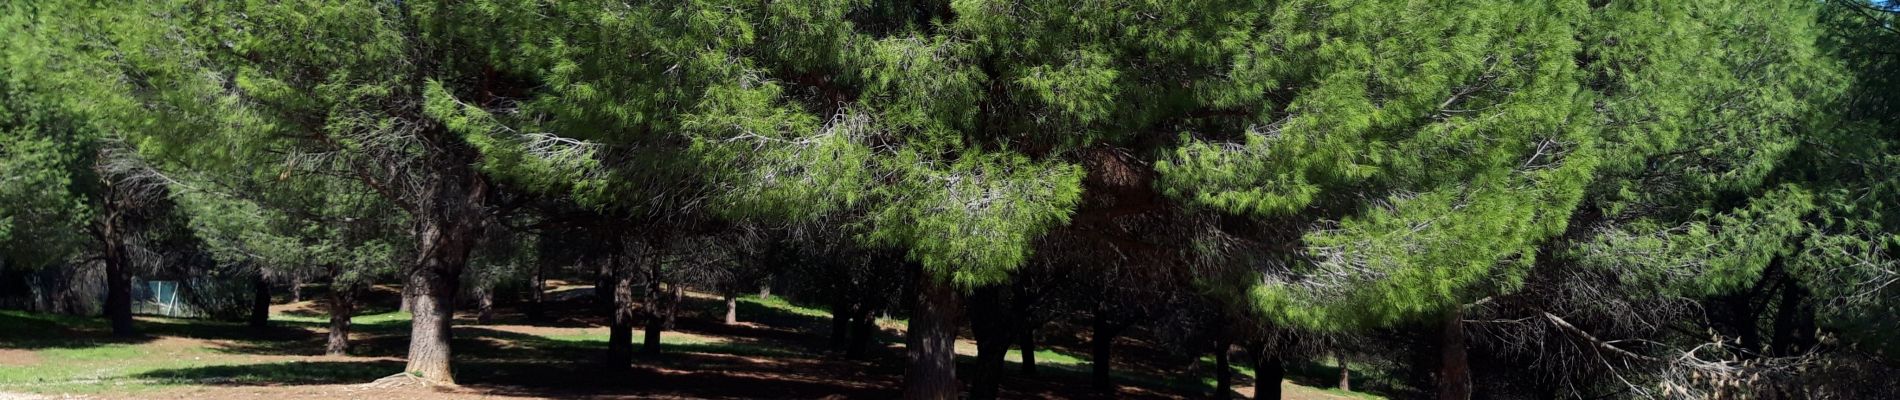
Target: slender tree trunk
{"x":485,"y":306}
{"x":1102,"y":346}
{"x":1269,"y":370}
{"x":840,"y":324}
{"x":677,"y":295}
{"x":1345,"y":372}
{"x":296,"y":288}
{"x":863,"y":332}
{"x":1028,"y":338}
{"x":732,"y":308}
{"x":342,"y":307}
{"x":539,"y":284}
{"x":1794,"y":321}
{"x":931,"y":340}
{"x":1454,"y":375}
{"x":765,"y":291}
{"x":624,"y":316}
{"x":260,"y":301}
{"x":604,"y":281}
{"x":656,"y":321}
{"x":1223,"y":369}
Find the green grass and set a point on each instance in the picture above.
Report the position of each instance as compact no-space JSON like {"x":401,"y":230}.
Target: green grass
{"x":392,"y":317}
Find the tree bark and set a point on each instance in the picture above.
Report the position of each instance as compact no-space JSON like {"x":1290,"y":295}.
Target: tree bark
{"x":1028,"y":338}
{"x":1345,"y":372}
{"x":1269,"y":370}
{"x":765,"y":292}
{"x":656,"y":321}
{"x":408,"y":297}
{"x":1223,"y":370}
{"x":991,"y":323}
{"x":863,"y":332}
{"x":260,"y":301}
{"x":296,"y":288}
{"x":1454,"y":375}
{"x":342,"y":307}
{"x":840,"y":322}
{"x":1102,"y":351}
{"x":624,"y":316}
{"x":118,"y":306}
{"x":446,"y":231}
{"x":485,"y":306}
{"x":732,"y":309}
{"x":931,"y":340}
{"x":1794,"y":321}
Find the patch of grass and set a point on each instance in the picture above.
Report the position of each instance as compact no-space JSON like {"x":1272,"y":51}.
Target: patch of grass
{"x":388,"y":318}
{"x":779,"y":303}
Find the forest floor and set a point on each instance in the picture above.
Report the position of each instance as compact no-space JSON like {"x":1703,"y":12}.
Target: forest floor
{"x":779,"y":352}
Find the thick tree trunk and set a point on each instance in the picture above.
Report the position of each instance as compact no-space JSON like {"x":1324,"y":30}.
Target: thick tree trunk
{"x":342,"y":307}
{"x":1028,"y":347}
{"x":1223,"y":370}
{"x":445,"y":234}
{"x":931,"y":341}
{"x":1269,"y":370}
{"x":431,"y":326}
{"x":1345,"y":372}
{"x":732,"y":309}
{"x":1454,"y":375}
{"x":624,"y":317}
{"x":260,"y":301}
{"x":990,"y":322}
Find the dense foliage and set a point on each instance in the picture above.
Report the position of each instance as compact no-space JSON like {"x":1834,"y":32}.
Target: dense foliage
{"x":1642,"y":198}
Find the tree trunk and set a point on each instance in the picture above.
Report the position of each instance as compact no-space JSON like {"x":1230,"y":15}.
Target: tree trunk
{"x":1102,"y":346}
{"x":1223,"y":370}
{"x":990,"y":322}
{"x":260,"y":301}
{"x":118,"y":307}
{"x":1269,"y":370}
{"x":1028,"y":338}
{"x":445,"y":233}
{"x":1794,"y":321}
{"x":1454,"y":375}
{"x":342,"y":307}
{"x":485,"y":306}
{"x":931,"y":340}
{"x":732,"y":309}
{"x":863,"y":332}
{"x":840,"y":324}
{"x":677,"y":295}
{"x":624,"y":316}
{"x":656,"y":321}
{"x":296,"y":288}
{"x":408,"y":297}
{"x":765,"y":292}
{"x":604,"y":281}
{"x":1345,"y":372}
